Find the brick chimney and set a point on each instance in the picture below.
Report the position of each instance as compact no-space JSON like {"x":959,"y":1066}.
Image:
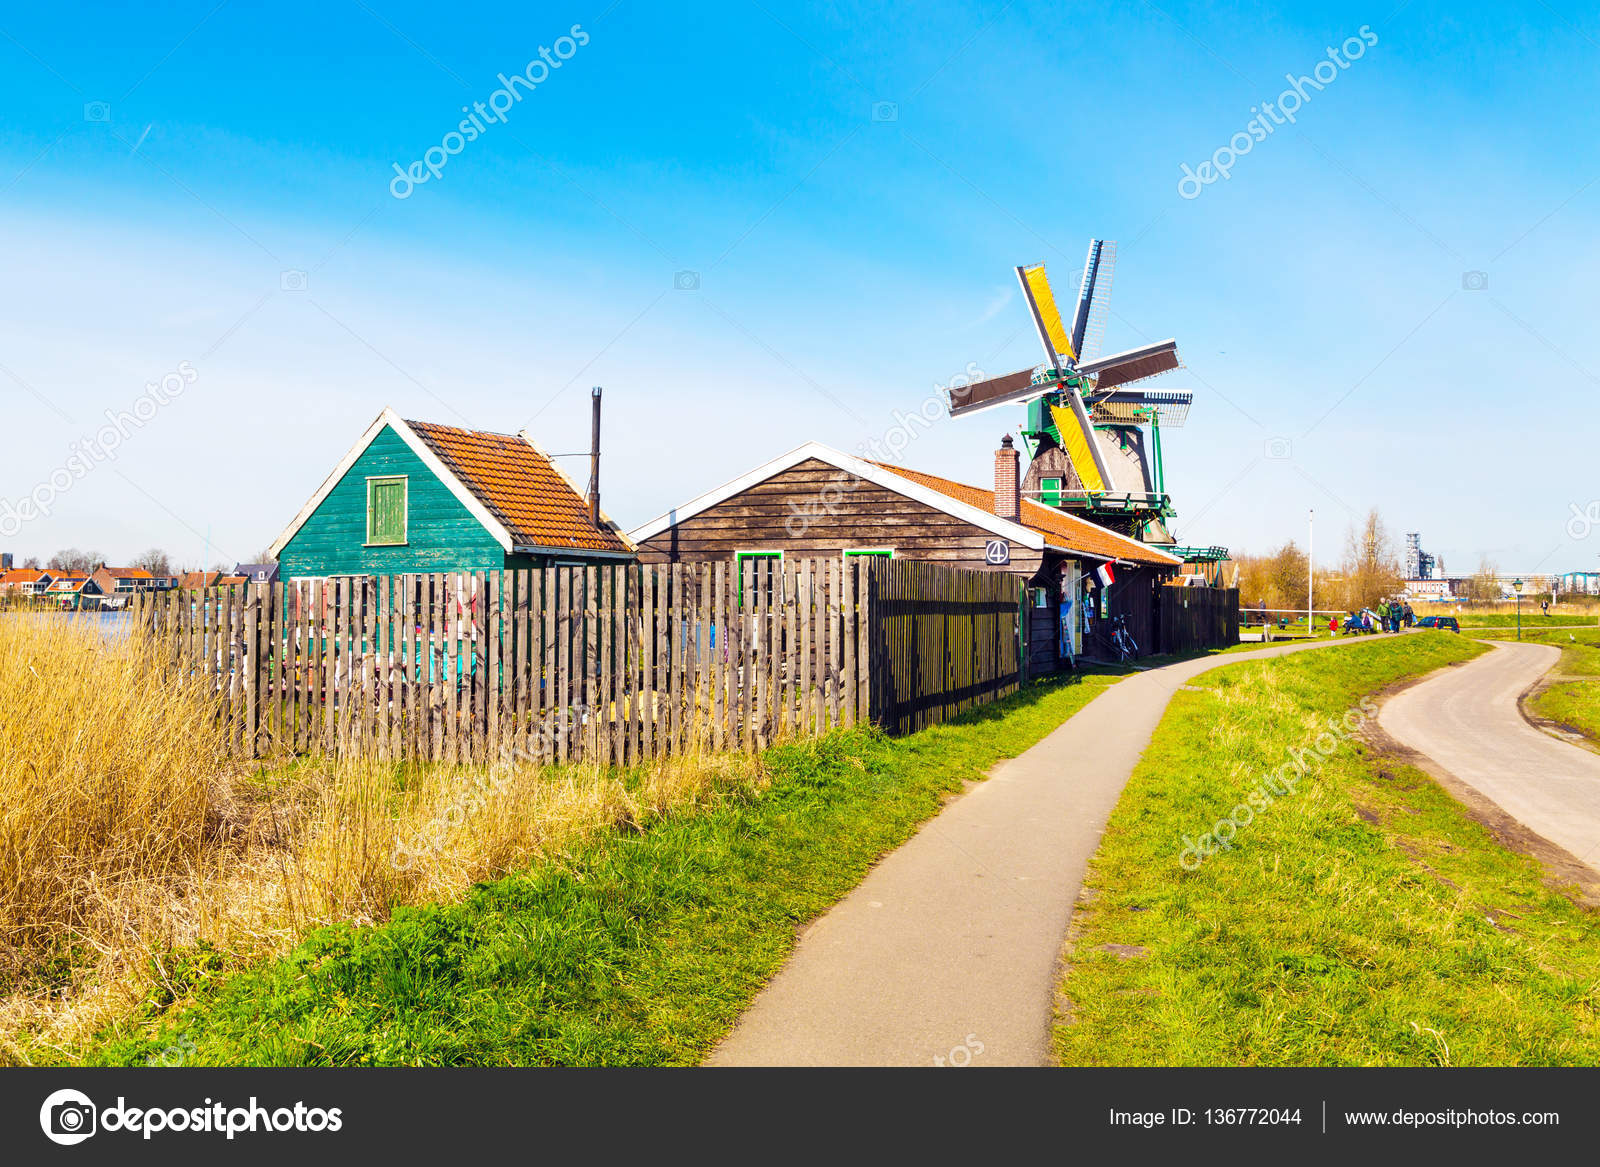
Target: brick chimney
{"x":1007,"y":482}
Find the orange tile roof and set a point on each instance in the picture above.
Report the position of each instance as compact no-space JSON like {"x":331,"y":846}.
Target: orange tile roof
{"x":521,"y":487}
{"x":1059,"y":528}
{"x":127,"y":573}
{"x":18,"y":575}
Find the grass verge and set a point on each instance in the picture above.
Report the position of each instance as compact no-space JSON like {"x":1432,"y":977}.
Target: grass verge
{"x":641,"y":947}
{"x":1365,"y":919}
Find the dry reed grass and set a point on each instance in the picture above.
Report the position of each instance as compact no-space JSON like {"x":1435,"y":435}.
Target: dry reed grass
{"x":127,"y":835}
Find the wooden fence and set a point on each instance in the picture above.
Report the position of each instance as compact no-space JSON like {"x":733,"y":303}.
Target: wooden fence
{"x":942,"y":641}
{"x":609,"y":664}
{"x":1193,"y":619}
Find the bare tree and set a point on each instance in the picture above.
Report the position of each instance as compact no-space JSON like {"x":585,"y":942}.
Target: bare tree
{"x":1482,"y":586}
{"x":32,"y":563}
{"x":155,"y":561}
{"x":1277,"y":580}
{"x":70,"y":559}
{"x":1372,"y":569}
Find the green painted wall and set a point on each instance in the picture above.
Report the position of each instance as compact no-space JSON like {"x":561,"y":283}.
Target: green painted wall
{"x":441,"y":533}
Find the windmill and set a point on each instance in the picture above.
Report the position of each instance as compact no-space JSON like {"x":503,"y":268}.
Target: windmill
{"x":1085,"y":428}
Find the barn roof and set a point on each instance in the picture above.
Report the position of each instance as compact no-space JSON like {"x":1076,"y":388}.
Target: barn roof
{"x":1059,"y":528}
{"x":522,"y":486}
{"x":1040,"y":526}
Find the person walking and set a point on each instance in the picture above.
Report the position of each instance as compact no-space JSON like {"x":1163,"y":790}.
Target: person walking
{"x":1410,"y":616}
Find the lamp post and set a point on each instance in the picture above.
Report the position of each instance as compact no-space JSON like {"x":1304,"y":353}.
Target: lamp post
{"x":1517,"y":583}
{"x":1311,"y":570}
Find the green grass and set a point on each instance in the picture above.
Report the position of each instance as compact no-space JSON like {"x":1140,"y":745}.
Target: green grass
{"x":1364,"y":919}
{"x":1531,"y":619}
{"x":642,"y":949}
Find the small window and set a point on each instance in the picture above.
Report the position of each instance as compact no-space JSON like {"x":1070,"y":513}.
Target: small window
{"x":1050,"y":491}
{"x":740,"y":558}
{"x":386,"y":511}
{"x":1041,"y":597}
{"x":869,"y":553}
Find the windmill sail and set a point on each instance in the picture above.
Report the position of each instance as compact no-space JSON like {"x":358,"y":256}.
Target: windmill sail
{"x":1087,"y":342}
{"x":1006,"y":390}
{"x":1092,"y":271}
{"x":1046,"y":316}
{"x":1077,"y":438}
{"x":1135,"y":364}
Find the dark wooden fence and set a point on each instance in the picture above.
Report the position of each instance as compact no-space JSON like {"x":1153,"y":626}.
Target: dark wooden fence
{"x":941,"y":640}
{"x":1194,"y":619}
{"x":609,"y":664}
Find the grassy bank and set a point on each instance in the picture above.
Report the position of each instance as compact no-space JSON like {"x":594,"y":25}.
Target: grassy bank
{"x":639,"y":947}
{"x":1362,"y":919}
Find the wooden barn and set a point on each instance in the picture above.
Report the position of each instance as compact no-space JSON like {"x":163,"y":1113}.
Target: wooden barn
{"x":413,"y":496}
{"x":815,"y":500}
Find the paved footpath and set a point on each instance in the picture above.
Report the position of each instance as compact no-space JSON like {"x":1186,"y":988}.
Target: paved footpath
{"x":956,"y":934}
{"x":1467,"y":720}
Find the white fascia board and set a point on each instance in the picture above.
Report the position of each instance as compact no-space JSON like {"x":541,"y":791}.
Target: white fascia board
{"x":856,"y":467}
{"x":423,"y":451}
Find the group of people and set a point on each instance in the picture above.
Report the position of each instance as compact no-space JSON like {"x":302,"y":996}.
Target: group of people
{"x":1390,"y":617}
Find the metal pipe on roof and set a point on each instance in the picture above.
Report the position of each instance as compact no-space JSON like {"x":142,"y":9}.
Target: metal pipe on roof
{"x":594,"y":461}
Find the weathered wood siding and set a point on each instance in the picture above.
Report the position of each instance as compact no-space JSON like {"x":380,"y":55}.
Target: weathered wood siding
{"x":441,"y":533}
{"x":816,"y":509}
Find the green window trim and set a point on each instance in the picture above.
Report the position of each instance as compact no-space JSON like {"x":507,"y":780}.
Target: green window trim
{"x":1050,"y":491}
{"x":739,"y":559}
{"x":387,"y":510}
{"x":869,"y":552}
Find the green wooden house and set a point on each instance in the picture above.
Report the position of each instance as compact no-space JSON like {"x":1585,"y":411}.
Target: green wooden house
{"x":412,"y":496}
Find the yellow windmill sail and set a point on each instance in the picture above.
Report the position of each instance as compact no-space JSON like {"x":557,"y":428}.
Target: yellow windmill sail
{"x":1075,"y":438}
{"x":1045,"y":302}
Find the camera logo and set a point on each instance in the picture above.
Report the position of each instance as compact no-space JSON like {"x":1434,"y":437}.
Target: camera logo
{"x":1474,"y":281}
{"x":67,"y":1117}
{"x":885,"y":111}
{"x":96,"y":111}
{"x":1278,"y":449}
{"x":686,"y":281}
{"x":293,"y":280}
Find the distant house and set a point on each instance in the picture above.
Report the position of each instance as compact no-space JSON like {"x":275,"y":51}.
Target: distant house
{"x":190,"y":580}
{"x":411,"y":496}
{"x":24,"y":581}
{"x":74,"y":592}
{"x":128,"y":581}
{"x":260,"y":573}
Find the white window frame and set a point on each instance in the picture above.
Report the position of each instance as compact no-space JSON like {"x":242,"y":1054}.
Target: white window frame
{"x":405,"y":518}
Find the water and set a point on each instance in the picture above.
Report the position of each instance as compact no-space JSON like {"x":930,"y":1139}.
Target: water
{"x":110,"y":624}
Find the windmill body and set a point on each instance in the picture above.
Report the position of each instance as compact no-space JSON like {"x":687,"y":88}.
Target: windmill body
{"x":1093,"y":438}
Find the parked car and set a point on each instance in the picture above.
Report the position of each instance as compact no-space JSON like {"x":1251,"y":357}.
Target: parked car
{"x":1428,"y":622}
{"x":1444,"y":623}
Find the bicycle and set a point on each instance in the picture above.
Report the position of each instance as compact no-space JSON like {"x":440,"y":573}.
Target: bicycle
{"x":1122,"y":640}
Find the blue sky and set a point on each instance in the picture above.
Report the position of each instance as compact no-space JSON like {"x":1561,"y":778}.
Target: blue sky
{"x":851,"y":185}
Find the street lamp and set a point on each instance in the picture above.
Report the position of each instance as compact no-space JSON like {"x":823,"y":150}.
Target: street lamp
{"x":1517,"y":583}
